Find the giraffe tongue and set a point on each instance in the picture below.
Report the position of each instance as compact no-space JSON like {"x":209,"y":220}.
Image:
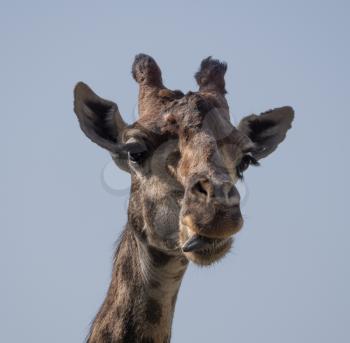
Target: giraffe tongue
{"x":196,"y":242}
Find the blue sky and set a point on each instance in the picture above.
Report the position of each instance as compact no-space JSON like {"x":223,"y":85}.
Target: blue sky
{"x":288,"y":277}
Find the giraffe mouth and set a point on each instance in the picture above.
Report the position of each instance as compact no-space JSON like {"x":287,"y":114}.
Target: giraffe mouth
{"x":201,"y":249}
{"x":204,"y":250}
{"x":201,"y":244}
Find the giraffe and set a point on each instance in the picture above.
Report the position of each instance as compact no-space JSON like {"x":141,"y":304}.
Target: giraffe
{"x":185,"y":157}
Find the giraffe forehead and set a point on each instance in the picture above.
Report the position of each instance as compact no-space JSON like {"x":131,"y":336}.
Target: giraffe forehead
{"x":193,"y":118}
{"x":184,"y":111}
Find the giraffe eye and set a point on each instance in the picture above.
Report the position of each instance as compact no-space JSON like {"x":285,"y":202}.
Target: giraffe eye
{"x":245,"y":162}
{"x":137,"y":152}
{"x":137,"y":157}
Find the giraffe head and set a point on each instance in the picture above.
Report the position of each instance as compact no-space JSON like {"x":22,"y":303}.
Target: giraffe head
{"x":184,"y":156}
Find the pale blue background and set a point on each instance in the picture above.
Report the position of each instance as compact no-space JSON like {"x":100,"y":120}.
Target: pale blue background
{"x":288,"y":278}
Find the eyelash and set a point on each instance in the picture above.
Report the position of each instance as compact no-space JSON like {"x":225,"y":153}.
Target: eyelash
{"x":245,"y":162}
{"x":137,"y":157}
{"x":137,"y":152}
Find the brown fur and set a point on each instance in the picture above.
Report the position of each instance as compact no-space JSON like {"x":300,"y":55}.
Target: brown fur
{"x":184,"y":156}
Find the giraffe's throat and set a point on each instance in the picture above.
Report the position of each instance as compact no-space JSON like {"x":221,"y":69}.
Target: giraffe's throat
{"x":141,"y":299}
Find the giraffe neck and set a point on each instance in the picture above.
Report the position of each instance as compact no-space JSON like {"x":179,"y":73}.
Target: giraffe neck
{"x":140,"y":302}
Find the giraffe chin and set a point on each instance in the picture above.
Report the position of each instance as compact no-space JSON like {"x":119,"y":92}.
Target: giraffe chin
{"x":202,"y":250}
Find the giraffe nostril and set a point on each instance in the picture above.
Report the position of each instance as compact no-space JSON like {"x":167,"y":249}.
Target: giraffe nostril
{"x":219,"y":192}
{"x":226,"y":193}
{"x":232,"y":195}
{"x":199,"y":188}
{"x":202,"y":188}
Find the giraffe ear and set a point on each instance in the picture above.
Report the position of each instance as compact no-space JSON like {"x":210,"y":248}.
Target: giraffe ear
{"x":268,"y":129}
{"x":100,"y":120}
